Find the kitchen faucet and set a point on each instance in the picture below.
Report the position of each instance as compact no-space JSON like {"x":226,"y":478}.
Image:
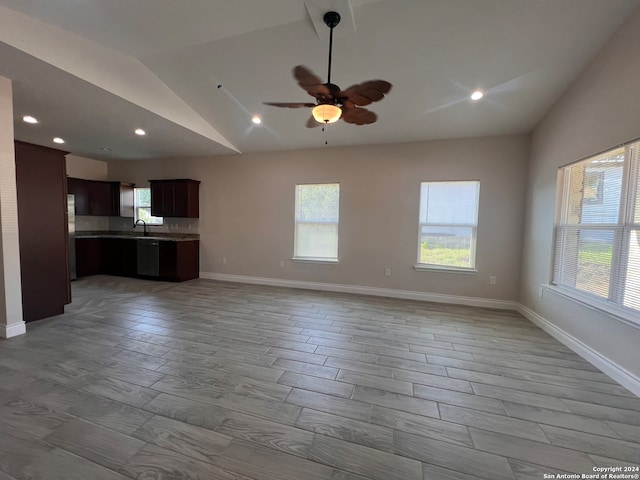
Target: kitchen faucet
{"x":144,"y":225}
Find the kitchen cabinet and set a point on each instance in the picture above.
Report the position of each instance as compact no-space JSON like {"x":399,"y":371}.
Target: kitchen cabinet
{"x":88,"y":261}
{"x":175,"y":198}
{"x":43,"y":226}
{"x":118,"y":256}
{"x":180,"y":261}
{"x":177,"y":260}
{"x":123,"y":198}
{"x":111,"y":256}
{"x":101,"y":201}
{"x":108,"y":199}
{"x":80,"y":190}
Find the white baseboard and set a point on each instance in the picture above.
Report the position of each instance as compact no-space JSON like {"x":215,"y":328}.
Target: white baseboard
{"x":361,"y":290}
{"x":609,"y":367}
{"x":13,"y":330}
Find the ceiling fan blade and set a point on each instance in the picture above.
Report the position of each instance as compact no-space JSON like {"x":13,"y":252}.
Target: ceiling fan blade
{"x":367,"y":92}
{"x":290,"y":104}
{"x":312,"y":122}
{"x":358,"y":116}
{"x":310,"y":82}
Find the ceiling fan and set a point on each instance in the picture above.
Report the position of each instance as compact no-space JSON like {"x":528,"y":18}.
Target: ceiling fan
{"x":332,"y":103}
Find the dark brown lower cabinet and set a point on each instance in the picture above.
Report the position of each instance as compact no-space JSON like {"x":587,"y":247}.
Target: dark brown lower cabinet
{"x":118,"y":256}
{"x":88,"y":261}
{"x":41,"y":184}
{"x":178,"y":261}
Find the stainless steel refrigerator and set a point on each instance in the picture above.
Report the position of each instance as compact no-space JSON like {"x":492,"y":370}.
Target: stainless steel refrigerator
{"x":71,"y":215}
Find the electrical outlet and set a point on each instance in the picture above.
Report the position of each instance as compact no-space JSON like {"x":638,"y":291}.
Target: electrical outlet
{"x":281,"y":264}
{"x":540,"y":291}
{"x":387,"y":272}
{"x":224,"y":260}
{"x":492,"y":280}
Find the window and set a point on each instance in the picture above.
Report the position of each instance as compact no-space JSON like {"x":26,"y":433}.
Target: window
{"x":316,"y":230}
{"x":448,"y":224}
{"x":597,"y":232}
{"x":142,"y":204}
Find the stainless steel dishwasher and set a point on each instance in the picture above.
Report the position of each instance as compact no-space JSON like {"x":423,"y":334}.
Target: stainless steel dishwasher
{"x":148,"y":257}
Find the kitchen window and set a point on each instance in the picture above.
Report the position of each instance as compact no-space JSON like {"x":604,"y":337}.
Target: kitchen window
{"x":597,"y":230}
{"x":316,"y":222}
{"x":447,"y":225}
{"x":142,"y":210}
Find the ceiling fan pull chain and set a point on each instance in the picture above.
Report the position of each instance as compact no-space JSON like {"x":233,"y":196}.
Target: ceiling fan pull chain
{"x":325,"y":129}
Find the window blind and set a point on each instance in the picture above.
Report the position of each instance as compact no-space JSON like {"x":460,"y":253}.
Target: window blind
{"x":597,"y":232}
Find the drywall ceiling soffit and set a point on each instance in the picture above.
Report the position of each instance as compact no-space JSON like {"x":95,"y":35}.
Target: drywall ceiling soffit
{"x":99,"y":67}
{"x":197,"y":72}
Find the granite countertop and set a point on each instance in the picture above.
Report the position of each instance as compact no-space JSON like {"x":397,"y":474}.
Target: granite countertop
{"x":171,"y":237}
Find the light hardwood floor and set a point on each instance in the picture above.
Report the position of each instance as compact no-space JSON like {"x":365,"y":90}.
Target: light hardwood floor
{"x":209,"y":380}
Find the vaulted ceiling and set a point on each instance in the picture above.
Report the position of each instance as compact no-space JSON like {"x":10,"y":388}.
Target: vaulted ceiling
{"x":193,"y":73}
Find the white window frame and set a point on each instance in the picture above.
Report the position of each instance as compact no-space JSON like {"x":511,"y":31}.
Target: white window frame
{"x":473,"y":226}
{"x":622,"y":230}
{"x":314,"y":259}
{"x":159,"y":220}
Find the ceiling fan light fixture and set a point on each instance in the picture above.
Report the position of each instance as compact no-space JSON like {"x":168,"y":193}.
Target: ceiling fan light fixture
{"x":326,"y":113}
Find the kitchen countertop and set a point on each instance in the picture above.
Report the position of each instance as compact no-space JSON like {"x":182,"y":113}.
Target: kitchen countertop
{"x":171,"y":237}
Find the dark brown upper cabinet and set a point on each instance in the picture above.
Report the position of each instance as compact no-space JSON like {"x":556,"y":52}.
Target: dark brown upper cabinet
{"x":175,"y":198}
{"x":80,"y":189}
{"x":123,"y":198}
{"x":101,"y":199}
{"x":109,"y":199}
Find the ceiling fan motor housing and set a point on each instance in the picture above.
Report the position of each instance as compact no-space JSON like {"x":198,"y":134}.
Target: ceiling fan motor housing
{"x":335,"y":92}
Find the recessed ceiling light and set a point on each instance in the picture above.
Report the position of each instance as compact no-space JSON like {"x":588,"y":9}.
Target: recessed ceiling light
{"x":29,"y":119}
{"x":58,"y":140}
{"x":256,"y":119}
{"x":140,"y":131}
{"x":477,"y":95}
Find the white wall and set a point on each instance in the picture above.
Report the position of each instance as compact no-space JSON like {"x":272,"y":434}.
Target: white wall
{"x":86,"y":168}
{"x":599,"y":111}
{"x":247,"y":210}
{"x":11,"y":320}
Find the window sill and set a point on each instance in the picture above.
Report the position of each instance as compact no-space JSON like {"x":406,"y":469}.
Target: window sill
{"x":622,"y":314}
{"x":322,"y":261}
{"x":445,"y":269}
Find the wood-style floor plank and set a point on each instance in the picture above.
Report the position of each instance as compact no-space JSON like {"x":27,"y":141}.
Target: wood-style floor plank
{"x":262,"y":463}
{"x":354,"y":431}
{"x":266,"y":433}
{"x":460,"y":459}
{"x":189,"y":440}
{"x":94,"y":443}
{"x":371,"y":463}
